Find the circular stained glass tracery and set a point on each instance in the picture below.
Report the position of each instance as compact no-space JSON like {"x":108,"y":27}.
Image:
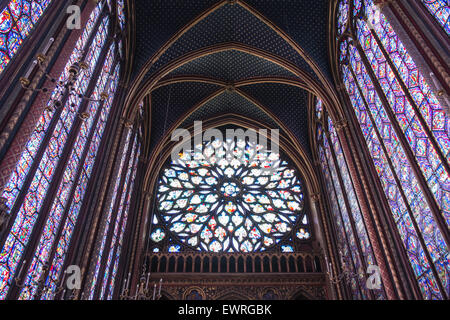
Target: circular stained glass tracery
{"x":245,"y":202}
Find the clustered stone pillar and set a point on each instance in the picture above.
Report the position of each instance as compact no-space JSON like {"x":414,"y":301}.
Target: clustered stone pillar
{"x":361,"y":192}
{"x":99,"y":223}
{"x":318,"y":207}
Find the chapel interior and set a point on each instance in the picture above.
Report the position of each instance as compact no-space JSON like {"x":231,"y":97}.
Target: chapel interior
{"x":224,"y":150}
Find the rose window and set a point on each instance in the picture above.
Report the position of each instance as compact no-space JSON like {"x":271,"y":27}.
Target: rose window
{"x":232,"y":198}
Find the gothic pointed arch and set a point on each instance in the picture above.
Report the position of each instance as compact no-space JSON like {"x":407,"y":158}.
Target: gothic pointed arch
{"x":217,"y":149}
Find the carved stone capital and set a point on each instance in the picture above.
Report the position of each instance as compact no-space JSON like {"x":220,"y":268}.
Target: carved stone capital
{"x":126,"y":122}
{"x":315,"y":197}
{"x":380,"y":3}
{"x":341,"y":124}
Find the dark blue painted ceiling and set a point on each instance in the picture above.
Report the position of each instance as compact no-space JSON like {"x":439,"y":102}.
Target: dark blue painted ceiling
{"x":287,"y":103}
{"x":304,"y":21}
{"x":157,"y":21}
{"x":230,"y":102}
{"x":231,"y":66}
{"x":169,"y":103}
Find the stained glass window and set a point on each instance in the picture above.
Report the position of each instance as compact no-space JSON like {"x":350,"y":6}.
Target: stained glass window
{"x":17,"y":20}
{"x":27,"y":215}
{"x":440,"y":9}
{"x":342,"y":16}
{"x":21,"y":171}
{"x":213,"y":203}
{"x":60,"y":219}
{"x":115,"y":222}
{"x":400,"y":116}
{"x":119,"y":226}
{"x":69,"y":176}
{"x":354,"y":242}
{"x":344,"y":248}
{"x":431,"y":111}
{"x":121,"y":13}
{"x":64,"y":241}
{"x":116,"y":256}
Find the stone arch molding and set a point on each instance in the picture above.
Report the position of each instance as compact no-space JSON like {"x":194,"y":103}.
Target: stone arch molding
{"x":320,"y":87}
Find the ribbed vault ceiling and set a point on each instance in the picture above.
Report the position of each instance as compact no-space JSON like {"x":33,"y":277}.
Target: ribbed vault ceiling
{"x":206,"y":82}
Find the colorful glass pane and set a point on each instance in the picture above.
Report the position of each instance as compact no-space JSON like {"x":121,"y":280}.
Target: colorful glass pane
{"x":50,"y":160}
{"x":422,"y":122}
{"x":287,"y":249}
{"x":108,"y":223}
{"x":440,"y":9}
{"x":343,"y":244}
{"x":319,"y":109}
{"x":363,"y":238}
{"x":122,"y":232}
{"x":17,"y":20}
{"x":230,"y":204}
{"x":430,"y":110}
{"x":121,"y":219}
{"x":18,"y":176}
{"x":29,"y":209}
{"x":358,"y":261}
{"x":392,"y":190}
{"x":121,"y":12}
{"x":342,"y":16}
{"x":59,"y":204}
